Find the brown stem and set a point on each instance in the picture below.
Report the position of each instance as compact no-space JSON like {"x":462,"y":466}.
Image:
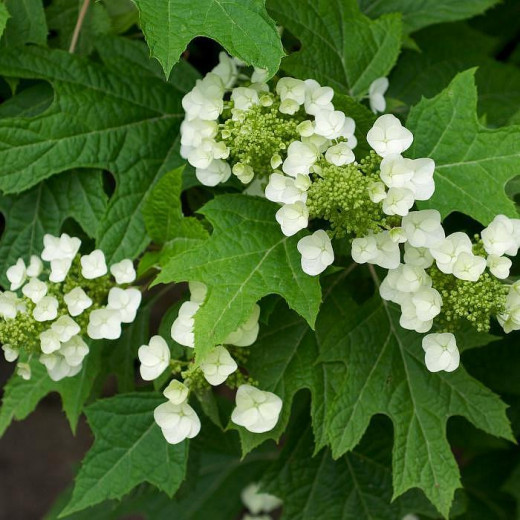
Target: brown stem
{"x":79,"y":23}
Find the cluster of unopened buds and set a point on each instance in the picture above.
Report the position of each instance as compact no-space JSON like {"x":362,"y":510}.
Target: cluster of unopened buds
{"x":255,"y":410}
{"x":58,"y":300}
{"x":298,"y":148}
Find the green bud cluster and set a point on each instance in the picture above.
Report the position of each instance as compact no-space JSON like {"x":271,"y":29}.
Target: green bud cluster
{"x":261,"y":133}
{"x":22,"y":332}
{"x":340,"y":195}
{"x":476,"y":302}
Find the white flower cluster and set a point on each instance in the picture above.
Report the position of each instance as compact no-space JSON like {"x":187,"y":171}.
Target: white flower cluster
{"x":256,"y":410}
{"x":258,"y":503}
{"x":62,"y":303}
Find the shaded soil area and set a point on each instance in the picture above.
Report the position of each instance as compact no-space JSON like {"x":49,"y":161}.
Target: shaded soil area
{"x":38,"y":458}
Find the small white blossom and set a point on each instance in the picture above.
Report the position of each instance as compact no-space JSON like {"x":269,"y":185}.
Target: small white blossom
{"x":218,"y":171}
{"x":447,"y":251}
{"x":154,"y":358}
{"x":305,"y":128}
{"x":125,"y":301}
{"x":423,"y":228}
{"x":93,"y":265}
{"x":291,"y":88}
{"x":35,"y":290}
{"x":389,"y":136}
{"x":198,"y":292}
{"x":193,"y":132}
{"x":259,"y":75}
{"x":286,"y":190}
{"x":243,"y":172}
{"x":62,"y":247}
{"x":256,"y":410}
{"x":331,"y":124}
{"x":396,"y":171}
{"x":364,"y":249}
{"x":258,"y":502}
{"x":376,"y":94}
{"x":376,"y":192}
{"x":244,"y":98}
{"x":398,"y":201}
{"x":411,"y":278}
{"x":218,"y":365}
{"x":46,"y":309}
{"x":428,"y":303}
{"x":77,"y":301}
{"x":104,"y":324}
{"x":389,"y":254}
{"x":35,"y":267}
{"x":176,"y":392}
{"x":317,"y":98}
{"x":8,"y":305}
{"x":49,"y":341}
{"x":226,"y":70}
{"x":422,"y":183}
{"x":292,"y":218}
{"x":441,"y":352}
{"x":177,"y":421}
{"x":419,"y":256}
{"x":300,"y":157}
{"x":510,"y":319}
{"x":318,"y":143}
{"x":59,"y":269}
{"x":205,"y":100}
{"x":74,"y":351}
{"x":10,"y":354}
{"x":17,"y":274}
{"x":410,"y":320}
{"x":289,"y":106}
{"x":469,"y":267}
{"x":499,"y":237}
{"x":499,"y":266}
{"x":182,"y":327}
{"x":247,"y":333}
{"x":65,"y":328}
{"x":340,"y":154}
{"x":317,"y":253}
{"x":24,"y":371}
{"x":123,"y":271}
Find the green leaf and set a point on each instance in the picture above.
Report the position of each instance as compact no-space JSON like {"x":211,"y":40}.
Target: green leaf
{"x":361,"y":363}
{"x":246,"y":258}
{"x":21,"y":397}
{"x":446,"y":50}
{"x":44,"y":208}
{"x":162,"y":212}
{"x":26,"y":24}
{"x":129,"y":448}
{"x":82,"y":129}
{"x":4,"y":16}
{"x":426,"y":12}
{"x":466,"y":154}
{"x":242,"y":27}
{"x":348,"y":64}
{"x":357,"y":486}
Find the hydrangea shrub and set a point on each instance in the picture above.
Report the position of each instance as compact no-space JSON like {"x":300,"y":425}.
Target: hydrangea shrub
{"x":285,"y":228}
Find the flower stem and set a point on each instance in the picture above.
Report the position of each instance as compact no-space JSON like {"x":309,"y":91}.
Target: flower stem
{"x":79,"y":24}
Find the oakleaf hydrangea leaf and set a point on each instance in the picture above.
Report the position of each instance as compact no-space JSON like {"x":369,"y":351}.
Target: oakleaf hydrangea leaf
{"x":44,"y":208}
{"x":341,"y":47}
{"x":246,"y":258}
{"x":473,"y":163}
{"x":243,"y":27}
{"x":81,"y":129}
{"x":418,"y":14}
{"x":357,"y":486}
{"x":129,"y":448}
{"x":362,"y":364}
{"x":26,"y":23}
